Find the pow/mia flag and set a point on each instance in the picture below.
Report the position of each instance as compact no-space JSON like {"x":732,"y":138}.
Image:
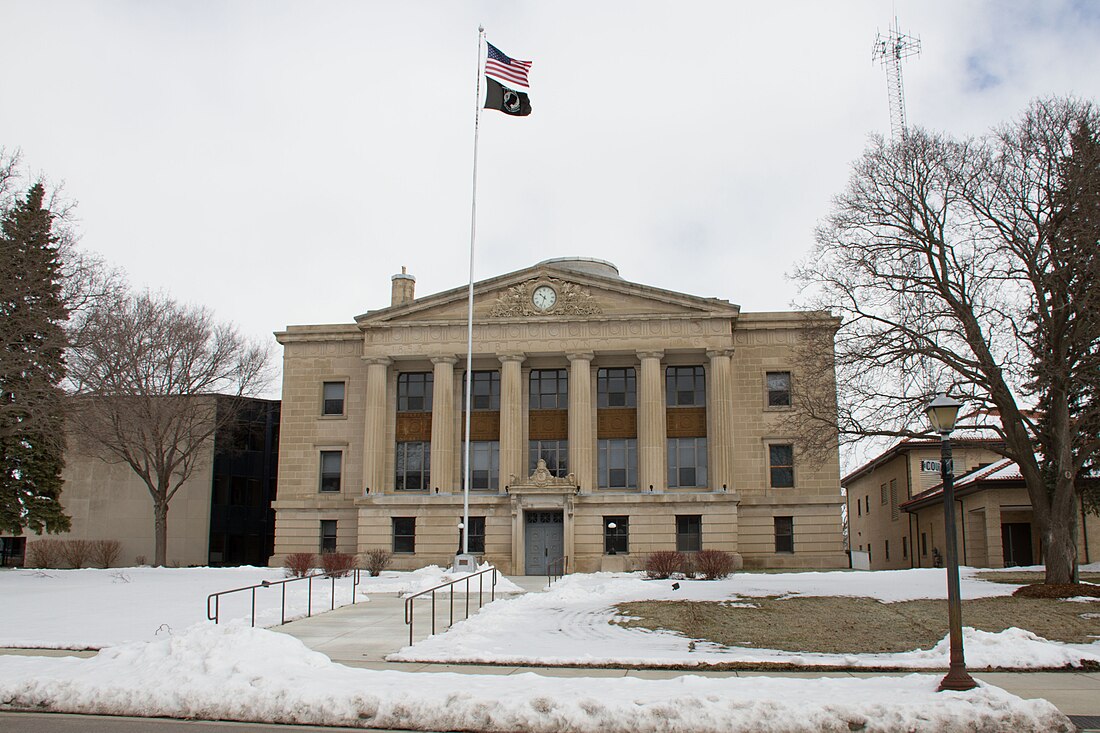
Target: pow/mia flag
{"x":508,"y":101}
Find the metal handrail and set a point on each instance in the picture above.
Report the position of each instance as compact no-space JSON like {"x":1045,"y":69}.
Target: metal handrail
{"x":480,"y":575}
{"x":551,"y":576}
{"x":212,"y":614}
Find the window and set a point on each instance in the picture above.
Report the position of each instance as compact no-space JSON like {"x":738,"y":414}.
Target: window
{"x":485,"y":391}
{"x":687,"y":462}
{"x":616,"y":534}
{"x":333,"y":398}
{"x":905,"y":548}
{"x":413,"y":458}
{"x":685,"y":386}
{"x":924,"y":544}
{"x":414,"y":392}
{"x":330,"y":470}
{"x":867,"y":503}
{"x":894,"y":514}
{"x":784,"y":534}
{"x":781,"y":463}
{"x":404,"y":534}
{"x":549,"y":389}
{"x":689,"y":532}
{"x":618,"y":463}
{"x":859,"y":508}
{"x":485,"y":462}
{"x":779,"y":389}
{"x":616,"y":387}
{"x":883,"y":494}
{"x":554,"y":452}
{"x":887,"y":542}
{"x":328,"y":535}
{"x":477,"y":535}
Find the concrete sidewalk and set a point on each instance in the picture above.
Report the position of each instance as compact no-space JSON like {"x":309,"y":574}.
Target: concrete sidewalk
{"x":363,"y":634}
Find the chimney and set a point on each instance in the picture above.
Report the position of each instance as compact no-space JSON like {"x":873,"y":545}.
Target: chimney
{"x":403,"y":286}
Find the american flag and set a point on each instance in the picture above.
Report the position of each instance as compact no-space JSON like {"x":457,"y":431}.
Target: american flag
{"x":508,"y":71}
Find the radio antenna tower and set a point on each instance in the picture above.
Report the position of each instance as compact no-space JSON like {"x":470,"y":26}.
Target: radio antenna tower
{"x":890,"y":48}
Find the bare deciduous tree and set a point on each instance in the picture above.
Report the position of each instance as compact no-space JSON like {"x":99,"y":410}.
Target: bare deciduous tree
{"x":961,"y":267}
{"x":146,"y":375}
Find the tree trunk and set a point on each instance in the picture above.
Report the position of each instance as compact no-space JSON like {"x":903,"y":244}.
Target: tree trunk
{"x":160,"y":533}
{"x":1060,"y":538}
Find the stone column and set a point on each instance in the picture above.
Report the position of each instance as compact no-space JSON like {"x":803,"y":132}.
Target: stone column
{"x":582,"y":444}
{"x":512,"y":451}
{"x":652,"y":444}
{"x":443,"y":429}
{"x":720,"y":420}
{"x":374,"y":440}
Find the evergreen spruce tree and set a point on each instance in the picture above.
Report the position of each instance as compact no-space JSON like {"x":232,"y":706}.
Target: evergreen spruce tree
{"x":32,"y":366}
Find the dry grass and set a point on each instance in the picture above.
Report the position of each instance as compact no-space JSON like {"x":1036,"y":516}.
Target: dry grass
{"x":811,"y":624}
{"x":1021,"y":578}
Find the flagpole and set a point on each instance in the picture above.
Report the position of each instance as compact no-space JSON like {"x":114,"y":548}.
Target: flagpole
{"x":470,"y":310}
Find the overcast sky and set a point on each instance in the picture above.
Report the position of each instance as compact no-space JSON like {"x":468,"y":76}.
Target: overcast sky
{"x":278,"y":161}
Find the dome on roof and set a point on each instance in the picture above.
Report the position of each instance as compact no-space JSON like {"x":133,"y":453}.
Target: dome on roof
{"x":588,"y":265}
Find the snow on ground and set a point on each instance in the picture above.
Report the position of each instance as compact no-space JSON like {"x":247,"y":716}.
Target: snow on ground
{"x":407,"y":583}
{"x":572,"y":623}
{"x":233,"y":672}
{"x":91,"y":608}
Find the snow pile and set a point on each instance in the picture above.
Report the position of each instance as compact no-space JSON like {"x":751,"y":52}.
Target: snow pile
{"x":237,"y":673}
{"x":408,"y":583}
{"x":573,"y":624}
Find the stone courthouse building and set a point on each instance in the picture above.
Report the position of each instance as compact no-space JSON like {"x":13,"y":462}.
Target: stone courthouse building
{"x":610,"y":419}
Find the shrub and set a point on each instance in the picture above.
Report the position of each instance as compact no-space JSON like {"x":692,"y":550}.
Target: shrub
{"x":140,"y":560}
{"x":714,"y":564}
{"x":105,"y":552}
{"x":75,"y":552}
{"x":663,"y":563}
{"x":377,"y":561}
{"x":44,"y":553}
{"x":337,"y":564}
{"x":298,"y":564}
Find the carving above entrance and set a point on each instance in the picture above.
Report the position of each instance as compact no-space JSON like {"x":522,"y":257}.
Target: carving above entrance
{"x":545,"y":296}
{"x":541,"y":478}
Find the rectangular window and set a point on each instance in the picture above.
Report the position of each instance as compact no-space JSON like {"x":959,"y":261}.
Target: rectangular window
{"x":779,"y":389}
{"x":867,"y":503}
{"x":887,"y":542}
{"x":616,"y":387}
{"x":554,"y":452}
{"x":685,"y":386}
{"x":859,"y":508}
{"x":414,"y":391}
{"x":330,"y":470}
{"x":616,"y":535}
{"x":477,"y":535}
{"x":784,"y":534}
{"x":905,"y":548}
{"x":549,"y":389}
{"x":689,"y":532}
{"x":404,"y":534}
{"x":412,"y":460}
{"x":894,"y":514}
{"x":883,"y":494}
{"x":924,"y":544}
{"x":618,"y":463}
{"x":328,"y":535}
{"x":485,"y":391}
{"x":687,"y":462}
{"x":781,"y":466}
{"x":485,"y":463}
{"x":333,"y":398}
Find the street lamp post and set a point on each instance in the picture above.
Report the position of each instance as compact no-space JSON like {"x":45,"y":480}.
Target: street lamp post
{"x":611,"y":526}
{"x":942,"y":412}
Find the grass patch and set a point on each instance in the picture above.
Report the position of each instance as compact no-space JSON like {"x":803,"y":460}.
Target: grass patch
{"x":1023,"y":578}
{"x":810,"y":624}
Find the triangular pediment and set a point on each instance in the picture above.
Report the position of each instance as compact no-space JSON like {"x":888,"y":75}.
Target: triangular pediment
{"x":550,"y":292}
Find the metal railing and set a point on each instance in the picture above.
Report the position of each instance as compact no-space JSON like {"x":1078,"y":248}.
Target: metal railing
{"x":212,"y":613}
{"x":410,"y":607}
{"x":552,"y":573}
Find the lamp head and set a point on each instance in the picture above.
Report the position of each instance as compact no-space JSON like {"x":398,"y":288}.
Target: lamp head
{"x":942,"y":412}
{"x":611,"y":525}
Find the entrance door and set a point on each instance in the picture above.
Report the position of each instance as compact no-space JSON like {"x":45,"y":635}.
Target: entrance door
{"x":544,"y":540}
{"x":1016,"y":543}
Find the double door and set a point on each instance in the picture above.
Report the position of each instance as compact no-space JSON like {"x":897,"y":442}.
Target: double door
{"x":544,"y":540}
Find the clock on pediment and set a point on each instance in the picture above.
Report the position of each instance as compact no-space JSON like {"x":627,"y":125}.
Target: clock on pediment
{"x":544,"y":297}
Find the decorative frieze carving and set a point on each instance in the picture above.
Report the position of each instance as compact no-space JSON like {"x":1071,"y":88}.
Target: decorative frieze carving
{"x":572,"y":300}
{"x":617,"y":422}
{"x":548,"y":425}
{"x":484,"y":425}
{"x":686,"y":422}
{"x":541,"y":478}
{"x":414,"y":426}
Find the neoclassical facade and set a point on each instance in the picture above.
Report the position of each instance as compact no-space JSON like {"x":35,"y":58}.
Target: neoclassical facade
{"x":609,"y":419}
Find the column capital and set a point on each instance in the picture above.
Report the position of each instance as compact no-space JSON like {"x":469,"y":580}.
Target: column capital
{"x":380,"y":360}
{"x":580,"y":356}
{"x":445,"y":360}
{"x":712,"y":353}
{"x":505,"y":358}
{"x":651,"y":355}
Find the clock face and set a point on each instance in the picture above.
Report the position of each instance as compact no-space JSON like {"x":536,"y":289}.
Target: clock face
{"x":544,"y":297}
